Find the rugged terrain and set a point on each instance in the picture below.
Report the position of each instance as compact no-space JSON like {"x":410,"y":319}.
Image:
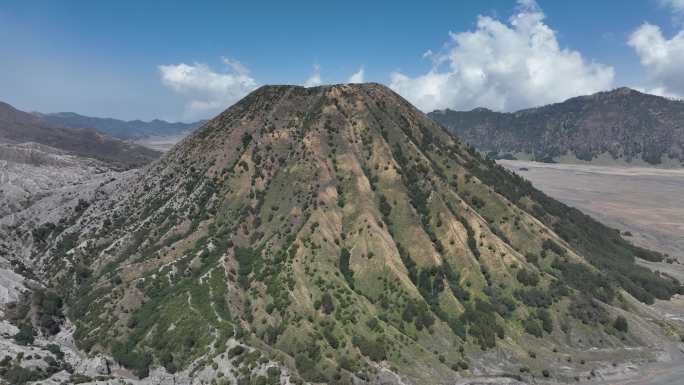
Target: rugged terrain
{"x":622,"y":126}
{"x":333,"y":234}
{"x":18,"y":127}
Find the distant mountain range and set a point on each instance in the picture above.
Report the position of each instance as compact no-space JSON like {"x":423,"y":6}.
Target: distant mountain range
{"x":21,"y":127}
{"x":122,"y":129}
{"x":623,"y":126}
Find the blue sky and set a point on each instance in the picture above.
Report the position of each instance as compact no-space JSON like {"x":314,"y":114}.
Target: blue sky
{"x":121,"y":58}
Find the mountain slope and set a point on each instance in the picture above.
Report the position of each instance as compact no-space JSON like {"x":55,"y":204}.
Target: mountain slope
{"x":122,"y":129}
{"x":19,"y":127}
{"x":340,"y":231}
{"x":624,"y":125}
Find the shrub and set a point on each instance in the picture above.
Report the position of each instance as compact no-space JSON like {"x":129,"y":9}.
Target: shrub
{"x":385,"y":207}
{"x":621,"y":324}
{"x":373,"y":349}
{"x":49,"y":307}
{"x":588,"y":311}
{"x":248,"y":259}
{"x":131,"y":358}
{"x":584,"y":279}
{"x":246,"y":139}
{"x":344,"y":267}
{"x":330,"y":337}
{"x":236,"y":351}
{"x":19,"y":375}
{"x":546,"y":321}
{"x":166,"y":361}
{"x":273,"y":371}
{"x":56,"y":350}
{"x":533,"y":327}
{"x":531,"y":258}
{"x":25,"y":335}
{"x":503,"y":304}
{"x":527,"y":277}
{"x":549,"y":244}
{"x":534,"y":297}
{"x":306,"y":367}
{"x":327,"y":303}
{"x":482,"y":325}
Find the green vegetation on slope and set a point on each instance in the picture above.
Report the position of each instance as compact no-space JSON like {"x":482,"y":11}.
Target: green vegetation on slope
{"x":345,"y":228}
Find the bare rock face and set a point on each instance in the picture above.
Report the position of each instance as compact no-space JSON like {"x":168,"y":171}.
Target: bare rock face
{"x":95,"y":366}
{"x":11,"y":285}
{"x":332,"y":234}
{"x":43,"y":191}
{"x":623,"y":125}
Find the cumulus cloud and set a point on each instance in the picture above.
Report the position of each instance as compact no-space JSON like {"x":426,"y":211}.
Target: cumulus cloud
{"x":662,"y":58}
{"x":315,"y":78}
{"x":208,"y":91}
{"x":503,"y":65}
{"x":357,"y":77}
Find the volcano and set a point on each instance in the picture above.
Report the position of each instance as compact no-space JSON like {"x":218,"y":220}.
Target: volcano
{"x":340,"y":232}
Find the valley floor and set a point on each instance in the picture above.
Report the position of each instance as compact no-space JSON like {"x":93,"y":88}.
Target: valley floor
{"x":647,"y":202}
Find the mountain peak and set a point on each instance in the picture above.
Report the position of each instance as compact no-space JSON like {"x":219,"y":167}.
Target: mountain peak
{"x":624,"y":91}
{"x":620,"y":93}
{"x":339,"y":227}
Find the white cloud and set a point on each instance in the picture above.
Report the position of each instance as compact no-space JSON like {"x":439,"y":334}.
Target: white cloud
{"x":357,"y":77}
{"x":504,"y":66}
{"x":662,"y":58}
{"x":676,"y":5}
{"x":315,"y":78}
{"x":208,"y":91}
